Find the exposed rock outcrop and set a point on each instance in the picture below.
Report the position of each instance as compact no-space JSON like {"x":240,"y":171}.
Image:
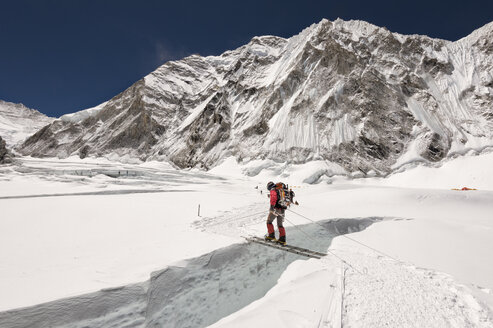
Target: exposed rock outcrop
{"x":5,"y":156}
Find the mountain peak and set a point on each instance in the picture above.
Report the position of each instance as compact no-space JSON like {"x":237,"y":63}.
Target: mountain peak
{"x":346,"y":92}
{"x":484,"y":32}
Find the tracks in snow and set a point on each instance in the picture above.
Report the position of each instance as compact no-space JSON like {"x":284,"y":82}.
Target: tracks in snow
{"x":388,"y":293}
{"x":234,"y":223}
{"x":397,"y":294}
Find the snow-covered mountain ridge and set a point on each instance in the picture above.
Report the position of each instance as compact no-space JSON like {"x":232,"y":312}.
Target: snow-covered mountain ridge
{"x":346,"y":92}
{"x":17,"y":122}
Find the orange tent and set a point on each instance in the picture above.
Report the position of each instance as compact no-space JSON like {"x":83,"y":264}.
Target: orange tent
{"x":464,"y":189}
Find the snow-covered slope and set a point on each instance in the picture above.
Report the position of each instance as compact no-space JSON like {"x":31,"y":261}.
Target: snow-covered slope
{"x":17,"y":122}
{"x":428,"y":264}
{"x":345,"y":92}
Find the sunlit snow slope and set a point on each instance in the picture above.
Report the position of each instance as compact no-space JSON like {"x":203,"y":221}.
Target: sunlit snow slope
{"x":94,"y":243}
{"x":17,"y":122}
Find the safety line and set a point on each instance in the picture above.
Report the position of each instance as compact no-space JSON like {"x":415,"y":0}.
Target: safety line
{"x":343,"y":290}
{"x":329,"y":251}
{"x":354,"y":240}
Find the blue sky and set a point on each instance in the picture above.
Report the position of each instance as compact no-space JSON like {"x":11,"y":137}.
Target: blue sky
{"x":63,"y":56}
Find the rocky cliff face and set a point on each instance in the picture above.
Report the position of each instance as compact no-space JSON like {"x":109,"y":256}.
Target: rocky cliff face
{"x":5,"y":156}
{"x":347,"y":92}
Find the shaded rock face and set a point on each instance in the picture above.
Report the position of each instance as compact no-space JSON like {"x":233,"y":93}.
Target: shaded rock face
{"x":348,"y":92}
{"x":125,"y":125}
{"x":5,"y":156}
{"x":211,"y":128}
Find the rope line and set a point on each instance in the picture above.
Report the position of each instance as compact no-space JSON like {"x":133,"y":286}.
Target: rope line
{"x":343,"y":290}
{"x":329,"y":251}
{"x":354,"y":240}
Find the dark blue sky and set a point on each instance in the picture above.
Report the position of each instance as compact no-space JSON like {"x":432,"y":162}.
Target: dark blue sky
{"x":64,"y":56}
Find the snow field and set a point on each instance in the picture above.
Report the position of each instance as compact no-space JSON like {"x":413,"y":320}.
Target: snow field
{"x":306,"y":295}
{"x":398,"y":294}
{"x":189,"y":293}
{"x":467,"y":171}
{"x":384,"y":292}
{"x":62,"y":246}
{"x":435,"y":228}
{"x":68,"y":245}
{"x":435,"y":234}
{"x":69,"y":248}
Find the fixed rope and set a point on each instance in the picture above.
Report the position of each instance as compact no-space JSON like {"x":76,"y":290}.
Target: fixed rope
{"x":354,"y":240}
{"x":329,"y":251}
